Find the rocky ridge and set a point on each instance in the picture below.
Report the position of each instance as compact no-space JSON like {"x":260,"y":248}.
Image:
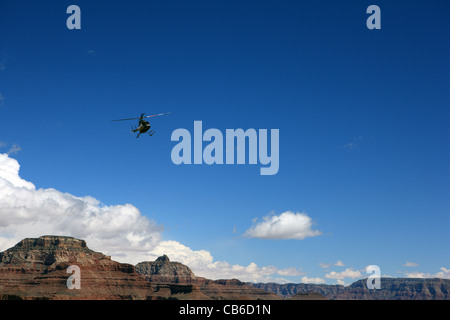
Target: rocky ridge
{"x":391,"y":289}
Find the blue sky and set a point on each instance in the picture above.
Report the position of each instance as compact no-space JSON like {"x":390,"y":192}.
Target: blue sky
{"x":363,"y":118}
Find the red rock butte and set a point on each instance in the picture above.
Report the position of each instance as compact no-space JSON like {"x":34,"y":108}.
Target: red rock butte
{"x":36,"y":268}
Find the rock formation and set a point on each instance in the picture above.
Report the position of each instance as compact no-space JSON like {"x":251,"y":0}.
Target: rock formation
{"x":163,"y":270}
{"x":37,"y":268}
{"x":391,"y":289}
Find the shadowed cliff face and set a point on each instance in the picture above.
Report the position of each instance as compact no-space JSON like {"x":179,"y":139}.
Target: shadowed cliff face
{"x":163,"y":270}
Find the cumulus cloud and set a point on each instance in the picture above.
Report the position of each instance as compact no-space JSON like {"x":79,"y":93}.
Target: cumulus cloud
{"x":444,"y":274}
{"x":339,"y":263}
{"x":202,"y":264}
{"x":290,"y":272}
{"x":29,"y":212}
{"x":347,"y":273}
{"x":288,"y":225}
{"x":120,"y":231}
{"x":305,"y":279}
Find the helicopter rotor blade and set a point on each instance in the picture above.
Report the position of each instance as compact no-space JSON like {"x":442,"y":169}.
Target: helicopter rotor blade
{"x":142,"y":117}
{"x":155,"y":115}
{"x":126,"y":119}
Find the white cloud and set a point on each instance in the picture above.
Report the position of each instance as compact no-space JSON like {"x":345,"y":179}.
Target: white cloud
{"x":347,"y":273}
{"x":339,"y":263}
{"x":417,"y":274}
{"x":288,"y":225}
{"x":202,"y":264}
{"x":290,"y":272}
{"x":9,"y":169}
{"x":444,"y":274}
{"x":1,"y":99}
{"x":305,"y":279}
{"x":29,"y":212}
{"x":410,"y":264}
{"x":120,"y":231}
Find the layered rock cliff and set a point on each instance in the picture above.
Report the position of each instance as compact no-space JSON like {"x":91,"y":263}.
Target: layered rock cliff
{"x":391,"y":289}
{"x":164,"y":271}
{"x":36,"y":268}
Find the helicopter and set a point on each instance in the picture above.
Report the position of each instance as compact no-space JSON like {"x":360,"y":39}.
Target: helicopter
{"x":144,"y":126}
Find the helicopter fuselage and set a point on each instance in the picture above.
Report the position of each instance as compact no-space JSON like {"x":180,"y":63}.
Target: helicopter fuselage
{"x":143,"y":127}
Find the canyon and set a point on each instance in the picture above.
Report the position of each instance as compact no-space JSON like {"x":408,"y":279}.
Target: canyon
{"x":39,"y":269}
